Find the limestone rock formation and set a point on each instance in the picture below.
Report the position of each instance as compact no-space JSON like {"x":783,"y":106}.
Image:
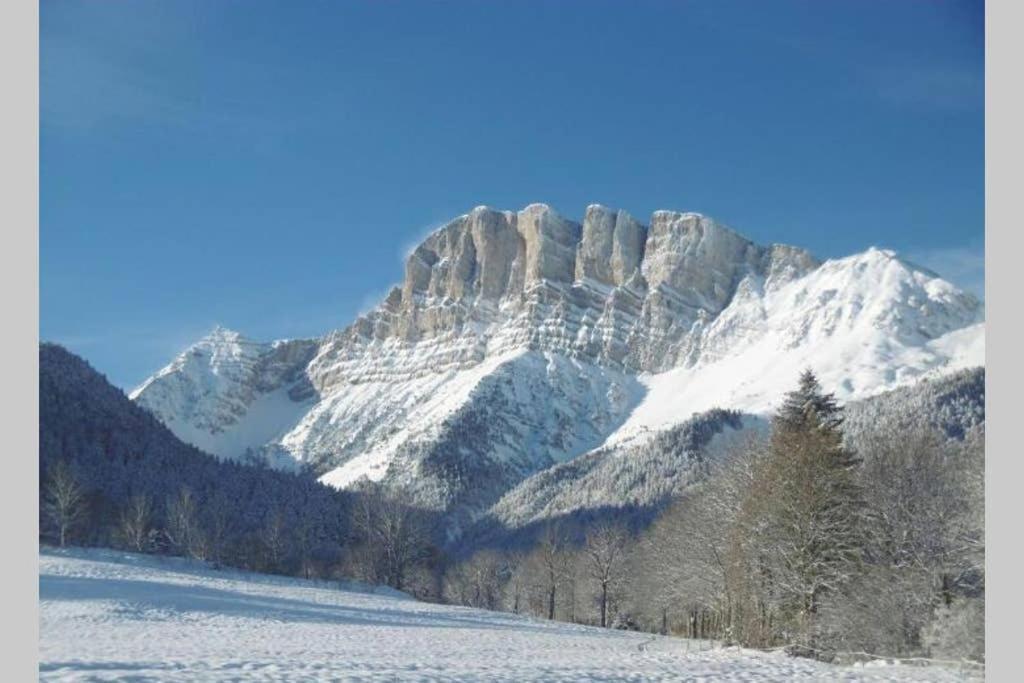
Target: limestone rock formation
{"x":519,"y":340}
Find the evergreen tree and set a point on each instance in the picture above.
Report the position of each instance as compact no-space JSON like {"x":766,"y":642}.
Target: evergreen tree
{"x":806,"y":513}
{"x":809,"y":406}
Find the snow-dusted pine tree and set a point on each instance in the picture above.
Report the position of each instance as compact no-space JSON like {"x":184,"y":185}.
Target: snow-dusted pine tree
{"x":806,"y":518}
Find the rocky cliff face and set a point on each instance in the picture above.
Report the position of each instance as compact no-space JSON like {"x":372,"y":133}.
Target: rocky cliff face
{"x":519,"y":340}
{"x":612,"y":291}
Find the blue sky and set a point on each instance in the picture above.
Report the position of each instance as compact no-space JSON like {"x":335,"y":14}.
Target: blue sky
{"x":264,"y":165}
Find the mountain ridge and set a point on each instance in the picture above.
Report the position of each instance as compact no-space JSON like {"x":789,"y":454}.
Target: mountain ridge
{"x":519,"y":340}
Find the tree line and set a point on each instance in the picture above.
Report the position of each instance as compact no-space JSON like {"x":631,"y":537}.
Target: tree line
{"x":804,"y":537}
{"x":376,"y":538}
{"x":798,"y":538}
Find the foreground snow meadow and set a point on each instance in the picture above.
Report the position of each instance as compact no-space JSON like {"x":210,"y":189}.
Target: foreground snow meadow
{"x":106,"y":615}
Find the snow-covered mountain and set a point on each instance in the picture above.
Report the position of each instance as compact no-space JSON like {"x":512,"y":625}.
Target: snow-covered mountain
{"x":520,"y":340}
{"x":229,"y":396}
{"x":633,"y":479}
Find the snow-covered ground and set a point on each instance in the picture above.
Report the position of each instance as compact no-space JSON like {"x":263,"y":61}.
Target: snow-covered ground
{"x":106,"y":615}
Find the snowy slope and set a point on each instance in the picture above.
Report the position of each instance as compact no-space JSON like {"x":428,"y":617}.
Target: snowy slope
{"x":627,"y":478}
{"x":632,"y":479}
{"x":106,"y":615}
{"x":228,"y":395}
{"x":865,"y":324}
{"x":465,"y":438}
{"x":518,"y":341}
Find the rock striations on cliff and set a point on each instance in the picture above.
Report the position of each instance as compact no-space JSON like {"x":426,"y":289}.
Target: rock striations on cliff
{"x":519,"y":340}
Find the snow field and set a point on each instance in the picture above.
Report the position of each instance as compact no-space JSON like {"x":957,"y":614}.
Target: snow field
{"x":107,"y":615}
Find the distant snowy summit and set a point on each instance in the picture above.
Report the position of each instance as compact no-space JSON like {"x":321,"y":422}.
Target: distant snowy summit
{"x":519,"y":340}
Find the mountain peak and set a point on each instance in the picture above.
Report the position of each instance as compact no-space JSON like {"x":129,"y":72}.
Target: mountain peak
{"x":221,"y":334}
{"x":543,"y":338}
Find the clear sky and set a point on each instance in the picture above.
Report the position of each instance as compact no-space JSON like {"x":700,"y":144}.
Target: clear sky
{"x":265,"y":165}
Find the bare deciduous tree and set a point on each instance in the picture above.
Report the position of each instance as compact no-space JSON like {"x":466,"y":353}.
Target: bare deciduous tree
{"x":220,"y":528}
{"x":679,"y":572}
{"x":478,"y":581}
{"x":391,"y":538}
{"x":604,"y":556}
{"x":515,"y":585}
{"x":183,"y":525}
{"x":305,"y":542}
{"x":63,"y":501}
{"x":272,"y":538}
{"x":927,"y":540}
{"x":135,"y":522}
{"x":549,"y":565}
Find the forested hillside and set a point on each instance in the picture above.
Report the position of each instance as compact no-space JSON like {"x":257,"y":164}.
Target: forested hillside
{"x":116,"y":476}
